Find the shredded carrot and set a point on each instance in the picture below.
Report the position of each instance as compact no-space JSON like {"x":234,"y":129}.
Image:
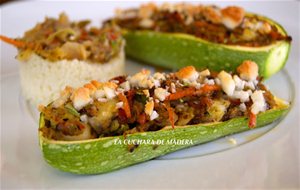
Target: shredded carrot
{"x":180,"y":94}
{"x":80,"y":125}
{"x":207,"y":88}
{"x":252,"y":120}
{"x":112,"y":36}
{"x":84,"y":35}
{"x":192,"y":91}
{"x":122,"y":116}
{"x":142,"y":118}
{"x":16,"y":43}
{"x":126,"y":106}
{"x":171,"y":114}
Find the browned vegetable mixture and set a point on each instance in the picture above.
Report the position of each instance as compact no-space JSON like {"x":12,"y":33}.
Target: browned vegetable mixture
{"x":145,"y":102}
{"x":229,"y":25}
{"x":57,"y":39}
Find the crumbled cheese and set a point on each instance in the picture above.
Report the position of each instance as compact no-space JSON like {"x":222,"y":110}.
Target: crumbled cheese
{"x":120,"y":90}
{"x":209,"y":81}
{"x":262,"y":27}
{"x":204,"y":73}
{"x":249,"y":92}
{"x":154,"y":115}
{"x":149,"y":108}
{"x":265,"y":28}
{"x":155,"y":82}
{"x":232,"y":16}
{"x":188,"y":20}
{"x":255,"y":82}
{"x":161,"y":93}
{"x":141,"y":79}
{"x":232,"y":141}
{"x":248,"y":24}
{"x":217,"y":81}
{"x":248,"y":70}
{"x":84,"y":118}
{"x":243,"y":107}
{"x":257,"y":25}
{"x":239,"y":83}
{"x":173,"y":88}
{"x":91,"y":88}
{"x":193,"y":77}
{"x":125,"y":85}
{"x":242,"y":95}
{"x":146,"y":23}
{"x":212,"y":14}
{"x":65,"y":94}
{"x":139,"y":83}
{"x":250,"y":85}
{"x":159,"y":76}
{"x":81,"y":97}
{"x":115,"y":81}
{"x":188,"y":74}
{"x":258,"y":100}
{"x":227,"y":82}
{"x":109,"y":92}
{"x":102,"y":99}
{"x":99,"y":94}
{"x":119,"y":104}
{"x":150,"y":84}
{"x":229,"y":23}
{"x":59,"y":102}
{"x":79,"y":104}
{"x":195,"y":84}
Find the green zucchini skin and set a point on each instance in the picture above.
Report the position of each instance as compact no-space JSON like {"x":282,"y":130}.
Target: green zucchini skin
{"x":174,"y":51}
{"x":102,"y":155}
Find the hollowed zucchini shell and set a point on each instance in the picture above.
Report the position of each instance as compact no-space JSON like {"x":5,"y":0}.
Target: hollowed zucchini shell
{"x":106,"y":154}
{"x":176,"y":50}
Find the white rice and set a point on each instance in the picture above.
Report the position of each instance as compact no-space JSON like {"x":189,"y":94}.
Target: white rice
{"x":42,"y":81}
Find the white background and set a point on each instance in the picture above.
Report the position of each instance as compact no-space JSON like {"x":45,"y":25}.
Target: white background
{"x":271,"y":161}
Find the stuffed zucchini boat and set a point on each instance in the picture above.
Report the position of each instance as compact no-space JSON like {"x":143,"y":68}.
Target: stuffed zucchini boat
{"x":60,"y":52}
{"x":177,"y":35}
{"x":101,"y":127}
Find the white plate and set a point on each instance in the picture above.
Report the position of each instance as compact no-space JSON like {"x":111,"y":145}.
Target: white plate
{"x":272,"y":160}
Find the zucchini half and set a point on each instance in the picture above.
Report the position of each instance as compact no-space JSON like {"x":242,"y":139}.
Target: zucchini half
{"x":107,"y":154}
{"x":177,"y":50}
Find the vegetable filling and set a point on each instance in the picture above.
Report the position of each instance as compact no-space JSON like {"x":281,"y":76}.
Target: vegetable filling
{"x":58,"y":39}
{"x":230,"y":25}
{"x":145,"y":102}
